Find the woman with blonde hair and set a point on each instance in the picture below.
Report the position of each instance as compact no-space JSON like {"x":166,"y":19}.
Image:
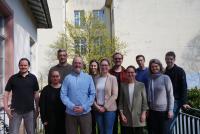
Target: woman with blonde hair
{"x":106,"y":95}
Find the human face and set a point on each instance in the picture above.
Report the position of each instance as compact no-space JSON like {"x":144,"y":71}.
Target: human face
{"x":93,"y":67}
{"x":77,"y":64}
{"x":62,"y":57}
{"x":23,"y":66}
{"x":170,"y":61}
{"x":130,"y":73}
{"x":155,"y":68}
{"x":55,"y":77}
{"x":118,"y":59}
{"x":104,"y":67}
{"x":140,"y":61}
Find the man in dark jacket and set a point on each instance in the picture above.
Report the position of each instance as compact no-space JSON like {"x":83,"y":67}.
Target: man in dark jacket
{"x":178,"y":78}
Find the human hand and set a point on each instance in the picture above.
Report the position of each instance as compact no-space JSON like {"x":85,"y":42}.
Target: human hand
{"x":9,"y":113}
{"x":170,"y":114}
{"x":123,"y":118}
{"x":78,"y":109}
{"x":186,"y":106}
{"x":36,"y":113}
{"x":143,"y":117}
{"x":101,"y":109}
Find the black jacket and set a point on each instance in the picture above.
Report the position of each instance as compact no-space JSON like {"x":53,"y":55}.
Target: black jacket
{"x":178,"y":78}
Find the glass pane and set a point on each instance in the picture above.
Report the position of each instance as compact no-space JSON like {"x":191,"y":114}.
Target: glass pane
{"x":77,"y":18}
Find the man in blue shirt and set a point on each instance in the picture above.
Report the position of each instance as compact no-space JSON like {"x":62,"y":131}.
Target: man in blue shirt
{"x":142,"y":72}
{"x":78,"y":93}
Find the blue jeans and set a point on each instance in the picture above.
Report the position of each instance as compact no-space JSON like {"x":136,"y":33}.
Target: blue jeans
{"x":105,"y":121}
{"x":177,"y":107}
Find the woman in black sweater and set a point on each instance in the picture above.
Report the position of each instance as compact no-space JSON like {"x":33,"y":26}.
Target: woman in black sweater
{"x":52,"y":110}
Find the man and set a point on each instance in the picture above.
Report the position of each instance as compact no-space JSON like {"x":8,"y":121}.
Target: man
{"x":142,"y":72}
{"x":119,"y":71}
{"x":24,"y":87}
{"x":78,"y":93}
{"x":178,"y":78}
{"x":63,"y":67}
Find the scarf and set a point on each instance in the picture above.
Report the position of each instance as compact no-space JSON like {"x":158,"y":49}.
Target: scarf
{"x":151,"y":87}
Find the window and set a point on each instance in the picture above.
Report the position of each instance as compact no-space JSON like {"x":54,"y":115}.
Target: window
{"x":80,"y":46}
{"x":79,"y":17}
{"x":99,"y":14}
{"x":98,"y":41}
{"x":2,"y":57}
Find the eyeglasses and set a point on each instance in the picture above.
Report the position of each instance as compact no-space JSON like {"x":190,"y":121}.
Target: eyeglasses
{"x":118,"y":58}
{"x":104,"y":65}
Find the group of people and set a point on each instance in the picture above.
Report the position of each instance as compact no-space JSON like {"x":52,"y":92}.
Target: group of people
{"x":101,"y":100}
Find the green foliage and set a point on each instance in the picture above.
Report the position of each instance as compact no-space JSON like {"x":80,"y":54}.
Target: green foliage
{"x":194,"y":102}
{"x":194,"y":98}
{"x":94,"y":33}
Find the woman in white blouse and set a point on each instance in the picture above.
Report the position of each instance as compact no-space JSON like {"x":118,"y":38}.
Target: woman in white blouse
{"x":132,"y":103}
{"x":106,"y":95}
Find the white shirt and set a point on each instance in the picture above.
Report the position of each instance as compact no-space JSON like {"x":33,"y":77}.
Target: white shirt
{"x":101,"y":82}
{"x":131,"y":92}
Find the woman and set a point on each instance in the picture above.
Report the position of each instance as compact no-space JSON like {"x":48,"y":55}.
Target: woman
{"x":106,"y":95}
{"x":52,"y":110}
{"x":94,"y":68}
{"x":132,"y":103}
{"x":160,"y":99}
{"x":94,"y":72}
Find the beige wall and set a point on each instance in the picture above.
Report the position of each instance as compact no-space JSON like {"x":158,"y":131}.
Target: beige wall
{"x":154,"y":27}
{"x":49,"y":36}
{"x":87,"y":6}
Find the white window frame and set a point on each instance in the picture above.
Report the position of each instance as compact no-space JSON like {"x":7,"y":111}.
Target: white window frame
{"x":99,"y":14}
{"x":79,"y":43}
{"x":78,"y":17}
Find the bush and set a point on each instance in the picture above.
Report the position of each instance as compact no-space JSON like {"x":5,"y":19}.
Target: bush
{"x":194,"y":98}
{"x":194,"y":102}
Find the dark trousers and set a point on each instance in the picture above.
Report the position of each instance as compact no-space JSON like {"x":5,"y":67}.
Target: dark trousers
{"x":133,"y":130}
{"x":158,"y":122}
{"x":93,"y":122}
{"x":82,"y":121}
{"x":116,"y":123}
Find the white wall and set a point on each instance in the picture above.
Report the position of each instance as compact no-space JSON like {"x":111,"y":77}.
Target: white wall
{"x":24,"y":28}
{"x":49,"y":36}
{"x":153,"y":27}
{"x":87,"y":6}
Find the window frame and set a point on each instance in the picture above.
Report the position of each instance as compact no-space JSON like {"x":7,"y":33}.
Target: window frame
{"x":2,"y":56}
{"x":78,"y":17}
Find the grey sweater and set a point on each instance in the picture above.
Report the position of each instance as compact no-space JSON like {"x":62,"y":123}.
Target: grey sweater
{"x":160,"y":93}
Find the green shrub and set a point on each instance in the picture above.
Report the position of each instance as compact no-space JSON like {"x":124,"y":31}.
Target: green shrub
{"x":194,"y":102}
{"x":194,"y":97}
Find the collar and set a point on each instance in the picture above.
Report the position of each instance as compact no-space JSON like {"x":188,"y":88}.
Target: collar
{"x":142,"y":69}
{"x":76,"y":74}
{"x":19,"y":74}
{"x":113,"y":69}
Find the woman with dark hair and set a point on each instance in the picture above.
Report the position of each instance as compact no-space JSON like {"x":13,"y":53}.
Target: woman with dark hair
{"x":132,"y":103}
{"x":52,"y":110}
{"x":160,"y":99}
{"x":106,"y":95}
{"x":94,"y":68}
{"x":94,"y":72}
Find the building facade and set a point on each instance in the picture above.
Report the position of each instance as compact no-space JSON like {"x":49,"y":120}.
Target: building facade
{"x":19,"y":21}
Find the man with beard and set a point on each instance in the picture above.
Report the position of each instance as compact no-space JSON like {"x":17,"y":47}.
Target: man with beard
{"x":63,"y":67}
{"x":119,"y":71}
{"x":77,"y":94}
